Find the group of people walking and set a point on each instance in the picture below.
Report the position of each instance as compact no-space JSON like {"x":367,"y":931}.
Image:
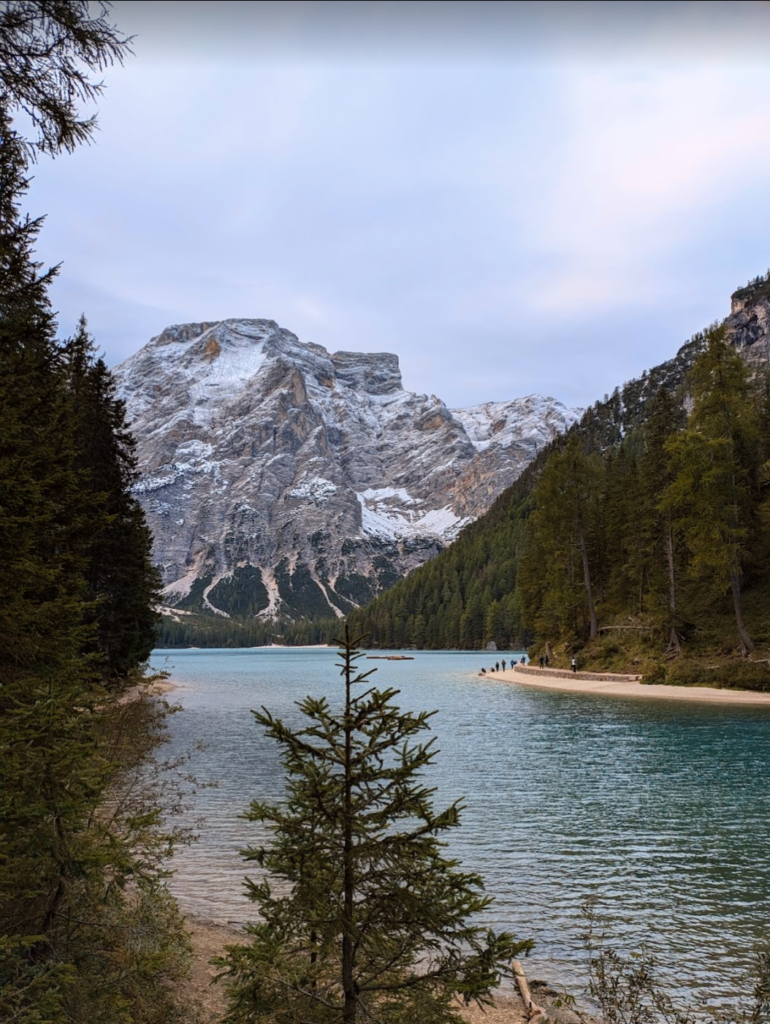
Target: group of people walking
{"x":523,"y":661}
{"x":498,"y":664}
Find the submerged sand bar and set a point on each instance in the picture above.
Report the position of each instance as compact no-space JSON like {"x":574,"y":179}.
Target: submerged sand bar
{"x":623,"y":686}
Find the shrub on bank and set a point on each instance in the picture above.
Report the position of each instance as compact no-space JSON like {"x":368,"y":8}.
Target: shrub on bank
{"x":732,"y":675}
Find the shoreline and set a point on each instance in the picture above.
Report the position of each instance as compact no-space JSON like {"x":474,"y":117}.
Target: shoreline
{"x":615,"y":687}
{"x":149,"y":687}
{"x":210,"y":997}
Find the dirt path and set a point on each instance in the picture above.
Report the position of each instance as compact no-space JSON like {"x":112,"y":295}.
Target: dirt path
{"x":209,"y":940}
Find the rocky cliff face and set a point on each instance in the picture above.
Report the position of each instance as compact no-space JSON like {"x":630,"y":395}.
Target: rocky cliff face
{"x":279,"y":478}
{"x":748,"y":325}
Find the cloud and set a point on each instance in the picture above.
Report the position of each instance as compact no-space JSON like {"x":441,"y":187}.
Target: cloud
{"x":420,"y":31}
{"x":499,"y":225}
{"x":647,"y":162}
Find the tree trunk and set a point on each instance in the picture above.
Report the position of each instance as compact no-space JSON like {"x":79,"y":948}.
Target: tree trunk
{"x":587,"y":582}
{"x":747,"y":644}
{"x":348,"y":979}
{"x":673,"y":637}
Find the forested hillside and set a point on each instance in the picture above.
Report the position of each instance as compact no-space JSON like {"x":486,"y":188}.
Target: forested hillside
{"x":639,"y":536}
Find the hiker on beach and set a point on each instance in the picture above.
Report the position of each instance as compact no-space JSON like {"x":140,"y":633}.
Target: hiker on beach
{"x":574,"y":665}
{"x":497,"y":666}
{"x":542,"y":659}
{"x":546,"y":661}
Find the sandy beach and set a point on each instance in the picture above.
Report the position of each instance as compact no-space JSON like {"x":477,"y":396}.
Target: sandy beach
{"x":630,"y":687}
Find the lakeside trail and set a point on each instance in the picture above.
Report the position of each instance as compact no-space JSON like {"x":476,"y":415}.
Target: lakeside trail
{"x":209,"y":939}
{"x":613,"y":685}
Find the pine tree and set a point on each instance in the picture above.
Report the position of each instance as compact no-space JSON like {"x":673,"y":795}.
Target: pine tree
{"x":368,"y":919}
{"x":44,"y":516}
{"x":710,"y":494}
{"x":122,"y":581}
{"x":657,"y":536}
{"x":563,"y":532}
{"x":70,"y":946}
{"x":46,"y":699}
{"x":76,"y":824}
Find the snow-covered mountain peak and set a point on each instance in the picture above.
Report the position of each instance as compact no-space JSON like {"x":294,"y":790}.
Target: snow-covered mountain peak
{"x":276,"y":475}
{"x":505,"y":423}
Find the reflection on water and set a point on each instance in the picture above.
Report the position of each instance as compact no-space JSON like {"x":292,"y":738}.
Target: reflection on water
{"x":659,"y":810}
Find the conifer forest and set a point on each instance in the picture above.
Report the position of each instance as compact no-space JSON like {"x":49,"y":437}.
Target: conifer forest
{"x":638,"y":540}
{"x":88,"y":931}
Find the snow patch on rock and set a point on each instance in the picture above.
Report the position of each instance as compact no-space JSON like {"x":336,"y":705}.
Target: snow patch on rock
{"x":317,"y":490}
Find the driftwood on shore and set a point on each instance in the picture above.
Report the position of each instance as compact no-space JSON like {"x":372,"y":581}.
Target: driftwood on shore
{"x":534,"y":1012}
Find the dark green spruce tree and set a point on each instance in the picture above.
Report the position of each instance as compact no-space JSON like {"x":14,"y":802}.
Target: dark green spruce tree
{"x":46,"y":704}
{"x":558,"y":577}
{"x":658,"y":540}
{"x":713,"y":462}
{"x":122,"y":581}
{"x":368,"y":919}
{"x":87,"y":934}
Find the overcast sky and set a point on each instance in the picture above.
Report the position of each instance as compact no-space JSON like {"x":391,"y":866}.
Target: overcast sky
{"x":512,"y":197}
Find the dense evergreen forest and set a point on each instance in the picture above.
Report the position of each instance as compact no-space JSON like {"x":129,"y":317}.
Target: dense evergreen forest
{"x":214,"y":631}
{"x":88,"y":932}
{"x":639,"y":539}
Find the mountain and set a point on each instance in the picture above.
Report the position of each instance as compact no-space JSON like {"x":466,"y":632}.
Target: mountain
{"x":280,"y":479}
{"x":748,"y":325}
{"x":470,"y":595}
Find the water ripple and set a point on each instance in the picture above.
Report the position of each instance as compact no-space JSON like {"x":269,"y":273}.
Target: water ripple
{"x":658,"y":811}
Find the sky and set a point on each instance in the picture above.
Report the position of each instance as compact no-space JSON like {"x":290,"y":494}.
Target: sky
{"x":513,"y":197}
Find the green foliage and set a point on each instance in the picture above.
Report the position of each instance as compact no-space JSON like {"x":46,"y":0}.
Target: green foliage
{"x":733,"y":675}
{"x":713,"y":463}
{"x":355,"y":587}
{"x":368,"y":919}
{"x":123,"y":585}
{"x":301,"y":595}
{"x":453,"y":592}
{"x":242,"y":594}
{"x":86,"y":931}
{"x":563,"y":534}
{"x":193,"y":600}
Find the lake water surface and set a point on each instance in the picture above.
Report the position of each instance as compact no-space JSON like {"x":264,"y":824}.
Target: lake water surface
{"x":659,"y":810}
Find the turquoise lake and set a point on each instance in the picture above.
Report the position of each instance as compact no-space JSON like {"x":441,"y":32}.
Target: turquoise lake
{"x":660,"y":811}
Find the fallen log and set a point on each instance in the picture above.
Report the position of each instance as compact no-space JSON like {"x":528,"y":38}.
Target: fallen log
{"x":534,"y":1012}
